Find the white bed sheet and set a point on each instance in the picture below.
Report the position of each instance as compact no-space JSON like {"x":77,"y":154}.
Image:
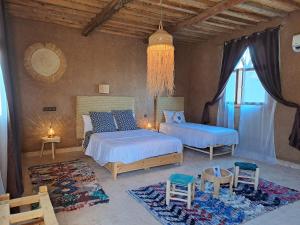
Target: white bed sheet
{"x":130,"y":146}
{"x":199,"y":135}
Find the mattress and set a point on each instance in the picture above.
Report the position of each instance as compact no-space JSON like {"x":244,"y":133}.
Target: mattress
{"x":130,"y":146}
{"x":199,"y":135}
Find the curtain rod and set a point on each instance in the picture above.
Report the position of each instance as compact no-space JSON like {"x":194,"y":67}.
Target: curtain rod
{"x":255,"y":33}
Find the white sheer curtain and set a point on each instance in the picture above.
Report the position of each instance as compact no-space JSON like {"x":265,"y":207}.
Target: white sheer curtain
{"x":256,"y":130}
{"x":3,"y":135}
{"x":225,"y":116}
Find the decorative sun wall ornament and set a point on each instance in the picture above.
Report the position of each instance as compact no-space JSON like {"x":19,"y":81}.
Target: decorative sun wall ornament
{"x":160,"y":62}
{"x":45,"y":62}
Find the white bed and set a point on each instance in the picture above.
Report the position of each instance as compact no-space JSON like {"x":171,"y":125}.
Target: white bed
{"x":199,"y":135}
{"x":130,"y":146}
{"x":195,"y":136}
{"x":125,"y":151}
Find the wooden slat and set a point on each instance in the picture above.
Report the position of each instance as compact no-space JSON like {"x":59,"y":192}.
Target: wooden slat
{"x":261,"y":10}
{"x":284,"y":5}
{"x":4,"y":214}
{"x":25,"y":216}
{"x":64,"y":16}
{"x":43,"y":6}
{"x":245,"y":16}
{"x":105,"y":14}
{"x":220,"y":7}
{"x":71,"y":5}
{"x":47,"y":209}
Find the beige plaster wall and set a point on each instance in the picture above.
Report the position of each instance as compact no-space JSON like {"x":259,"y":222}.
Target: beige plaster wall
{"x":98,"y":58}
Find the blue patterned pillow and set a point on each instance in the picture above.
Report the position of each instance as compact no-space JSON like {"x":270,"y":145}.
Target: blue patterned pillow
{"x":124,"y":119}
{"x":102,"y":122}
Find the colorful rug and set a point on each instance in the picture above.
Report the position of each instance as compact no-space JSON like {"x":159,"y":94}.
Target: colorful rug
{"x":71,"y":184}
{"x":206,"y":210}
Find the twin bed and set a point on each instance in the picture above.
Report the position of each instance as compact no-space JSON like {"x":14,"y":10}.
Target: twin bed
{"x":124,"y":151}
{"x":211,"y":140}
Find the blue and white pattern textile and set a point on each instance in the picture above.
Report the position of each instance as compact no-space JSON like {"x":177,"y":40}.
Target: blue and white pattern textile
{"x":179,"y":117}
{"x":102,"y":122}
{"x":125,"y":119}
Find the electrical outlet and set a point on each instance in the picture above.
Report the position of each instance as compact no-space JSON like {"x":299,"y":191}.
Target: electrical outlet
{"x":49,"y":109}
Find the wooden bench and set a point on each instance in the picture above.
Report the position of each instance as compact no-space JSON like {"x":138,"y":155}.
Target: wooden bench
{"x":43,"y":215}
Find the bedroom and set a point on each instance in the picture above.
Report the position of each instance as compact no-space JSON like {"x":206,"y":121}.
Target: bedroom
{"x":109,"y":66}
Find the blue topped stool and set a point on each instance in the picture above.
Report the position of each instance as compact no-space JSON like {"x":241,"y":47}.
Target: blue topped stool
{"x":246,"y":179}
{"x":185,"y":193}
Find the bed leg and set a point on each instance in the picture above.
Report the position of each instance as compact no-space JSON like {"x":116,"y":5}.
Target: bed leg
{"x":181,"y":159}
{"x":232,"y":149}
{"x":211,"y":152}
{"x":114,"y":171}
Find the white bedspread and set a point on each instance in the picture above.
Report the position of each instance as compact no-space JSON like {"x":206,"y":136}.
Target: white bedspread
{"x":130,"y":146}
{"x":199,"y":135}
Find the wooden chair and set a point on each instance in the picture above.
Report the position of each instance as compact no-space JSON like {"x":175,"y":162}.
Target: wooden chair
{"x":43,"y":215}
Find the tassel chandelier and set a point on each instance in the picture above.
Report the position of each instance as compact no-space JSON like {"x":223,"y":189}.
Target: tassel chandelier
{"x":160,"y":62}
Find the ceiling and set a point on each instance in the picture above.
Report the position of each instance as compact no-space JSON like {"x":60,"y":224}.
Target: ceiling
{"x":188,"y":20}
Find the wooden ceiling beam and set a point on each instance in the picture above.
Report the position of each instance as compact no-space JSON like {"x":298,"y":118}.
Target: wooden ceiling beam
{"x":208,"y":13}
{"x":106,"y":13}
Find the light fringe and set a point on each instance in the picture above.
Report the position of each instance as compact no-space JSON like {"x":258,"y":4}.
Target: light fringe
{"x":160,"y":69}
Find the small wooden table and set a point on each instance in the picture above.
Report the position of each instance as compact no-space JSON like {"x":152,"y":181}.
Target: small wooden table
{"x":52,"y":140}
{"x":208,"y":175}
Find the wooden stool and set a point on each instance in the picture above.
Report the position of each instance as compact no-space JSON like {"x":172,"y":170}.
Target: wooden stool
{"x":51,"y":140}
{"x":209,"y":175}
{"x":185,"y":182}
{"x":252,"y":179}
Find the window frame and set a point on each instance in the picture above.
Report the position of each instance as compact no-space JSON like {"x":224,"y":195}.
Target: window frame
{"x":239,"y":73}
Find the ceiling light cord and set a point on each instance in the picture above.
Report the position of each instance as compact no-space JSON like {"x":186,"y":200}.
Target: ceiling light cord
{"x":161,"y":17}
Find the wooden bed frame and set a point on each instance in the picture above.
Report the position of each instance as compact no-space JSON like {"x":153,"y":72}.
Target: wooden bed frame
{"x":177,"y":104}
{"x":85,"y":104}
{"x":117,"y":168}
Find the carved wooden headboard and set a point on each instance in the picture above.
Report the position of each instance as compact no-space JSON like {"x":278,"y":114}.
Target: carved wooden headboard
{"x":167,"y":103}
{"x":86,"y":104}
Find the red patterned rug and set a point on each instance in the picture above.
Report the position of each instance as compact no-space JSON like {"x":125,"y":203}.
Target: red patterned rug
{"x":71,"y":184}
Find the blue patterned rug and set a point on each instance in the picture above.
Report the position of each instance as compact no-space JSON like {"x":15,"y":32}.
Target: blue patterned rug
{"x":206,"y":210}
{"x":71,"y":184}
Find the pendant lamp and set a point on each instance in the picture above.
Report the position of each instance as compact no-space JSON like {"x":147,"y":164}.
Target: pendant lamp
{"x":160,"y":63}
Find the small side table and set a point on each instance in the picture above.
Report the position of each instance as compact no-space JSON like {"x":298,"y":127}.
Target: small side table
{"x":225,"y":178}
{"x":52,"y":140}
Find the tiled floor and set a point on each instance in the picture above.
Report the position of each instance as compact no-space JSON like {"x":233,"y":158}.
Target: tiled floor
{"x":122,"y":209}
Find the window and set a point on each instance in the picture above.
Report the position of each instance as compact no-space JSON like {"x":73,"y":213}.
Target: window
{"x":244,"y":86}
{"x":2,"y":95}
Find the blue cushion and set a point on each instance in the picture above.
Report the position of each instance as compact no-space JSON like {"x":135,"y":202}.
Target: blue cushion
{"x":124,"y":119}
{"x":181,"y":179}
{"x":102,"y":122}
{"x":246,"y":166}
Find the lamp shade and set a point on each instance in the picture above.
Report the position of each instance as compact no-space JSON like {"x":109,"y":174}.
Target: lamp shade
{"x":160,"y":63}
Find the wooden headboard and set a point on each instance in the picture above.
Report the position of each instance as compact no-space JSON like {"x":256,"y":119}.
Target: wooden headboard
{"x":167,"y":103}
{"x":86,"y":104}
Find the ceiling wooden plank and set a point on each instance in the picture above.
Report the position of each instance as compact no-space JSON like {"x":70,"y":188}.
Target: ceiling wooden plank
{"x":105,"y":14}
{"x":261,"y":10}
{"x":42,"y":6}
{"x":284,"y":5}
{"x":212,"y":11}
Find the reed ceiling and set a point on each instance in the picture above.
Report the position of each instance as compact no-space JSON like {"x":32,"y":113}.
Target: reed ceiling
{"x":187,"y":20}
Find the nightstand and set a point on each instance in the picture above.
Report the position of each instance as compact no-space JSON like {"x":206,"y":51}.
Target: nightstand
{"x":52,"y":140}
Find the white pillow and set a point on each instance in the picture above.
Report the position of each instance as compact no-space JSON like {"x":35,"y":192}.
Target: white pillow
{"x":179,"y":117}
{"x":169,"y":116}
{"x":87,"y":123}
